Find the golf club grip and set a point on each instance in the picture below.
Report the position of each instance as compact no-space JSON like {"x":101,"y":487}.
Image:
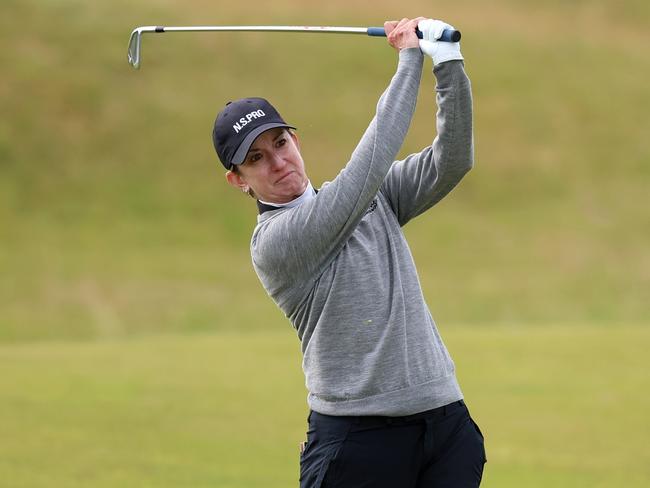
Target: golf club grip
{"x":448,"y":35}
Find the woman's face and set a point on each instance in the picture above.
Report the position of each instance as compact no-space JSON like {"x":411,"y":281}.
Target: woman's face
{"x":273,"y":168}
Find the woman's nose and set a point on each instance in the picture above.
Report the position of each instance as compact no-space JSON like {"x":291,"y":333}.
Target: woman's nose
{"x":276,"y":161}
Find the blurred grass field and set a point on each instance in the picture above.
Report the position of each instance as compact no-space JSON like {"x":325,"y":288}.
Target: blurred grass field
{"x":560,"y":406}
{"x":133,"y":331}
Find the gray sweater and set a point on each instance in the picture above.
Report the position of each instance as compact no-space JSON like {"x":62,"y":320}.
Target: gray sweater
{"x":340,"y":269}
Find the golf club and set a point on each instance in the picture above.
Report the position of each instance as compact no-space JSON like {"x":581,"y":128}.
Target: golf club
{"x":135,"y":42}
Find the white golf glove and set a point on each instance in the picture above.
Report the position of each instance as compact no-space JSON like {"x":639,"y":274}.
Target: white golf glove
{"x":439,"y":51}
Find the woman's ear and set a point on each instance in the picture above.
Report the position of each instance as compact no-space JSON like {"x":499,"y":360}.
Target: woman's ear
{"x":236,"y":180}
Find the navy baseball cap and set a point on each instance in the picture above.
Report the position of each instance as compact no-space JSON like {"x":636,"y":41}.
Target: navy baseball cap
{"x":238,"y":125}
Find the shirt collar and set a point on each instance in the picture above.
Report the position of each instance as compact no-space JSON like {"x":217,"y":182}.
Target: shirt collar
{"x":307,"y":195}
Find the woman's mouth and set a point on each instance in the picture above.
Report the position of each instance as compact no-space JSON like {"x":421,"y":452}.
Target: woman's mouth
{"x":283,"y":177}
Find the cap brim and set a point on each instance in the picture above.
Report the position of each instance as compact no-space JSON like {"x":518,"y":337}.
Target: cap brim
{"x":240,"y":154}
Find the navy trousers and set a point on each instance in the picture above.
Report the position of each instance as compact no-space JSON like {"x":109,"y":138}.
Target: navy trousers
{"x":440,"y":448}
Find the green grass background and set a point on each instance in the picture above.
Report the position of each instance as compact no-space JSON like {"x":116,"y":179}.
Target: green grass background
{"x":137,"y":347}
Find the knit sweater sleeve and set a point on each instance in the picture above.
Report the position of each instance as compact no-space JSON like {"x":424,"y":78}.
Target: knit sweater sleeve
{"x":421,"y":180}
{"x":294,"y":244}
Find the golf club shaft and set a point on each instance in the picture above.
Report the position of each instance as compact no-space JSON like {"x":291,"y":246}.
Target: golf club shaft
{"x":448,"y":35}
{"x":135,"y":42}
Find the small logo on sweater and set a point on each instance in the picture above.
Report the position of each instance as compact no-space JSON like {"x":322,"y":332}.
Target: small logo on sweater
{"x":372,"y":207}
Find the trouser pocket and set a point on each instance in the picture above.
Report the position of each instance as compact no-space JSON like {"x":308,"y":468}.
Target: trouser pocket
{"x":480,"y":434}
{"x":324,"y":440}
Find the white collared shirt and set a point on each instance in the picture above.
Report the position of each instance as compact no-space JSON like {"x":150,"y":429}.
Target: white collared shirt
{"x":308,"y":194}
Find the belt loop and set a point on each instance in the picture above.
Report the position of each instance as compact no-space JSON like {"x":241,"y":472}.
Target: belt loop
{"x":428,"y":437}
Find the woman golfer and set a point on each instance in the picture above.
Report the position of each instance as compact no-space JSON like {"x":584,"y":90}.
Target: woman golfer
{"x":386,"y":409}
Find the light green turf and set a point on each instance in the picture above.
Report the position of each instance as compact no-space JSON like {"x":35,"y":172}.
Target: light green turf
{"x":561,"y":406}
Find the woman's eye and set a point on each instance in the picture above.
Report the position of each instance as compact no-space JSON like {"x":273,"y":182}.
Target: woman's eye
{"x":254,"y":157}
{"x":281,"y":142}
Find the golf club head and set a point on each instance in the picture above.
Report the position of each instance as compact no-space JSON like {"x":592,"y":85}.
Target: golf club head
{"x":135,"y":45}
